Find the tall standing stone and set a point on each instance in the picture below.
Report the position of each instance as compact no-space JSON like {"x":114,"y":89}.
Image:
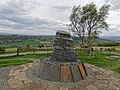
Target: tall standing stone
{"x":64,"y":50}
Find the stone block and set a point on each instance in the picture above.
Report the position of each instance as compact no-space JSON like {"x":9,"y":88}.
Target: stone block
{"x":64,"y":88}
{"x":15,"y":84}
{"x":91,"y":87}
{"x":54,"y":73}
{"x":46,"y":72}
{"x":76,"y":73}
{"x":66,"y":74}
{"x":36,"y":86}
{"x":52,"y":87}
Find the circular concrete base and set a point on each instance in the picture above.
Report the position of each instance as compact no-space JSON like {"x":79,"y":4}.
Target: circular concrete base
{"x":61,"y":71}
{"x":42,"y":84}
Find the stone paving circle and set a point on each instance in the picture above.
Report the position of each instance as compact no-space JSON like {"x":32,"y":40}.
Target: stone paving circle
{"x":23,"y":78}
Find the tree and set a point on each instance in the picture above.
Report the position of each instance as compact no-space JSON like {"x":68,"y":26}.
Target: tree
{"x":88,"y":21}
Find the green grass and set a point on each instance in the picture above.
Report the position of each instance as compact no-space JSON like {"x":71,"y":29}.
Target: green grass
{"x":33,"y":49}
{"x":117,"y":70}
{"x":37,"y":56}
{"x":98,"y":59}
{"x":20,"y":44}
{"x":8,"y":62}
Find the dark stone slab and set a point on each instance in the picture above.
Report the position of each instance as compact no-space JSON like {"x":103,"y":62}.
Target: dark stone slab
{"x":47,"y":72}
{"x":43,"y":71}
{"x":76,"y":73}
{"x":55,"y":73}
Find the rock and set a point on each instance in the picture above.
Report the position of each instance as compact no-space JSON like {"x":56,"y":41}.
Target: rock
{"x":15,"y":83}
{"x":64,"y":50}
{"x":91,"y":87}
{"x":36,"y":86}
{"x":52,"y":87}
{"x":16,"y":72}
{"x":64,"y":88}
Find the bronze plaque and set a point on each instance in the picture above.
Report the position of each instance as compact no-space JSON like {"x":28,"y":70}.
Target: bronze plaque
{"x":82,"y":70}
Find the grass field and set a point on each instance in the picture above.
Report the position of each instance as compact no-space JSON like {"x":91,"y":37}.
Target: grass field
{"x":14,"y":60}
{"x":20,"y":44}
{"x":97,"y":59}
{"x":100,"y":60}
{"x":10,"y":62}
{"x":25,"y":43}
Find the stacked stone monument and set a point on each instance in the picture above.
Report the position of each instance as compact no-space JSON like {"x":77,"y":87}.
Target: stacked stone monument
{"x":64,"y":65}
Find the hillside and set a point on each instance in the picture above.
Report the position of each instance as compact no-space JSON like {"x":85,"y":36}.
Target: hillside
{"x":112,"y":38}
{"x":22,"y":40}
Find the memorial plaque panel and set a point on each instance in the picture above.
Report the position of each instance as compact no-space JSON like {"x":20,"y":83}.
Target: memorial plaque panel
{"x":82,"y":70}
{"x":66,"y":74}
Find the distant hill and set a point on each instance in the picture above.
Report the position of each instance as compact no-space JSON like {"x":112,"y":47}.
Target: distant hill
{"x":23,"y":40}
{"x":112,"y":38}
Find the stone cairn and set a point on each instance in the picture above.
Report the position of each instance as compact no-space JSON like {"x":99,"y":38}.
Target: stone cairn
{"x":64,"y":65}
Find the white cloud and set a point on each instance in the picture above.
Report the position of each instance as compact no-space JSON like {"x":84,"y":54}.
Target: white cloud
{"x":47,"y":16}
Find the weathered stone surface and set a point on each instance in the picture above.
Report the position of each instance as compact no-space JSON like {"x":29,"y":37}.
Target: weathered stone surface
{"x":36,"y":86}
{"x":19,"y":76}
{"x":76,"y":74}
{"x":63,"y":65}
{"x":54,"y":73}
{"x":45,"y":73}
{"x":11,"y":72}
{"x":15,"y":83}
{"x":91,"y":87}
{"x":64,"y":50}
{"x":42,"y":70}
{"x":16,"y":72}
{"x":24,"y":87}
{"x":64,"y":88}
{"x":52,"y":87}
{"x":66,"y":74}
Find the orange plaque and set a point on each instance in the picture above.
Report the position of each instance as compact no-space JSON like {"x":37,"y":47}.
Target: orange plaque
{"x":82,"y":70}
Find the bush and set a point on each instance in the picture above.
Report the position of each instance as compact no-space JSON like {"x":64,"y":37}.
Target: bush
{"x":2,"y":50}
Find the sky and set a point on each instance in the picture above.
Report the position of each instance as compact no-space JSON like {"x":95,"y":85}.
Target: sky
{"x":45,"y":17}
